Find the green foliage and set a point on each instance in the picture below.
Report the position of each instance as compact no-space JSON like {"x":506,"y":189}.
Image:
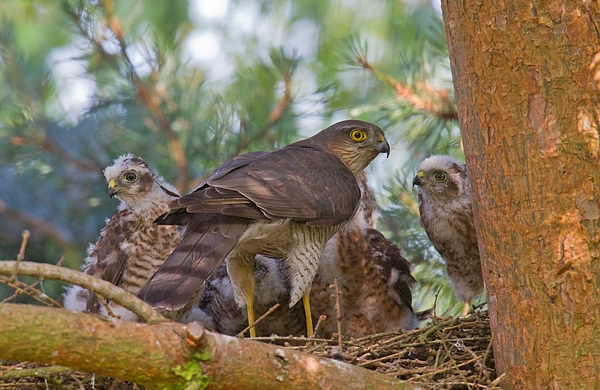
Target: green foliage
{"x":191,"y":373}
{"x":284,"y":70}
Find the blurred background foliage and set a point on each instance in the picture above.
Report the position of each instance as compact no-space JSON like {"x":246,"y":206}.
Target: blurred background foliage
{"x":187,"y":85}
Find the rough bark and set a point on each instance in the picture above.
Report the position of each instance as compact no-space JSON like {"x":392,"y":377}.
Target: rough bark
{"x":528,"y":108}
{"x":170,"y":355}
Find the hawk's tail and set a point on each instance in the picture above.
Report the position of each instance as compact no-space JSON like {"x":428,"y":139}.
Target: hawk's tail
{"x":207,"y":240}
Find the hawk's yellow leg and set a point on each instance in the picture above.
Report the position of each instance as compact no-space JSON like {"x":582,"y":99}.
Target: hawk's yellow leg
{"x":465,"y":309}
{"x":309,"y":324}
{"x":250,"y":308}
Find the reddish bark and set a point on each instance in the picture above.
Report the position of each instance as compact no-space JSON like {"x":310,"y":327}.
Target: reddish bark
{"x":528,"y":109}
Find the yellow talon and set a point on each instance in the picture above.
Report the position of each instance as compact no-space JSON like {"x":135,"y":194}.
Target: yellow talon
{"x":465,"y":309}
{"x":309,"y":324}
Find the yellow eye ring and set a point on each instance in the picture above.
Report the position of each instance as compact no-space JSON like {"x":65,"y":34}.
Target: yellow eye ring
{"x":130,"y":176}
{"x":358,"y":135}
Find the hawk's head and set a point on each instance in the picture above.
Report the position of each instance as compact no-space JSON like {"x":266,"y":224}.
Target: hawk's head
{"x":130,"y":179}
{"x":354,"y":142}
{"x":442,"y":178}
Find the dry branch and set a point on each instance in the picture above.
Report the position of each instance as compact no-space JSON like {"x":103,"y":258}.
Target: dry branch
{"x":99,"y":286}
{"x":170,"y":355}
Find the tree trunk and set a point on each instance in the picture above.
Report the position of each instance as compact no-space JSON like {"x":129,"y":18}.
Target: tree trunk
{"x":528,"y":107}
{"x":170,"y":355}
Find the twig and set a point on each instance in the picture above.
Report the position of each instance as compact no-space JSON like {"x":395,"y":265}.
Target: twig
{"x":437,"y":357}
{"x":393,"y":355}
{"x":338,"y":314}
{"x":109,"y":311}
{"x":293,"y":338}
{"x":453,"y":362}
{"x":29,"y":290}
{"x":322,"y":318}
{"x":453,"y":366}
{"x":21,"y":255}
{"x":496,"y":381}
{"x":99,"y":286}
{"x":275,"y":306}
{"x":437,"y":294}
{"x":485,"y":355}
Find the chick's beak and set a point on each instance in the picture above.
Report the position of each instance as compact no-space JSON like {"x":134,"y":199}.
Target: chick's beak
{"x":383,"y":147}
{"x":417,"y":181}
{"x":112,"y":188}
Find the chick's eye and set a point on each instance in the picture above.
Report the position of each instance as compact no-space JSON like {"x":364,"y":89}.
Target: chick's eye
{"x":130,"y":176}
{"x":440,"y":177}
{"x":358,"y":135}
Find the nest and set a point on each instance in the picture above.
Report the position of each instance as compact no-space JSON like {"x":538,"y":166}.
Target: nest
{"x":451,"y":353}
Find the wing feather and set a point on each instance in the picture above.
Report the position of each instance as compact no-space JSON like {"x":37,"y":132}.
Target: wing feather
{"x":107,"y":260}
{"x":300,"y":184}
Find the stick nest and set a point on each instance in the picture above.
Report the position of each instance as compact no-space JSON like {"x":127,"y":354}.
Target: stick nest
{"x":452,"y":353}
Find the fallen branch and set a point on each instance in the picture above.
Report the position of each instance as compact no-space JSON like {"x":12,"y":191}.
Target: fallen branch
{"x":97,"y":285}
{"x":170,"y":355}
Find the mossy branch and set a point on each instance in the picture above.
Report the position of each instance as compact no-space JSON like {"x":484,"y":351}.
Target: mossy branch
{"x":170,"y":355}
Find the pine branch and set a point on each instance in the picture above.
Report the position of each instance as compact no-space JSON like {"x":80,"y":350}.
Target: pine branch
{"x":426,"y":98}
{"x":274,"y":116}
{"x":143,"y":93}
{"x":147,"y":97}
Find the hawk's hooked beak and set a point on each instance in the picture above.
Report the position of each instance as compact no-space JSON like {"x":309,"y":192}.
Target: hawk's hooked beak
{"x":112,"y":188}
{"x":383,"y":147}
{"x":417,"y":180}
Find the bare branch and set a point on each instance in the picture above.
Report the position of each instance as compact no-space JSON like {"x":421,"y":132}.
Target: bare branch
{"x":271,"y":310}
{"x":97,"y":285}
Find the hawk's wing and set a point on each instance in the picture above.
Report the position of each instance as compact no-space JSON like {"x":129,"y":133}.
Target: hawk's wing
{"x":299,"y":184}
{"x":107,"y":260}
{"x":394,"y":269}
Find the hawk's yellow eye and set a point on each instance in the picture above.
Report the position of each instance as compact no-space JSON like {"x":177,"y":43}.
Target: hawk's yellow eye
{"x":130,"y":177}
{"x":440,"y":177}
{"x":358,"y":135}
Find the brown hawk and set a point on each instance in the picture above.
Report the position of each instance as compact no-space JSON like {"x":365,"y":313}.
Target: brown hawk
{"x":373,"y":277}
{"x":447,"y":217}
{"x":130,"y":247}
{"x":372,"y":274}
{"x":284,"y":204}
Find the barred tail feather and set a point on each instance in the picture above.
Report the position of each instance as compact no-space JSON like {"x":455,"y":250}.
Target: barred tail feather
{"x":208,"y":239}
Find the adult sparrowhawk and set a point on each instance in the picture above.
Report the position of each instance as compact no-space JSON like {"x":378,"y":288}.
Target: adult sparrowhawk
{"x":284,"y":204}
